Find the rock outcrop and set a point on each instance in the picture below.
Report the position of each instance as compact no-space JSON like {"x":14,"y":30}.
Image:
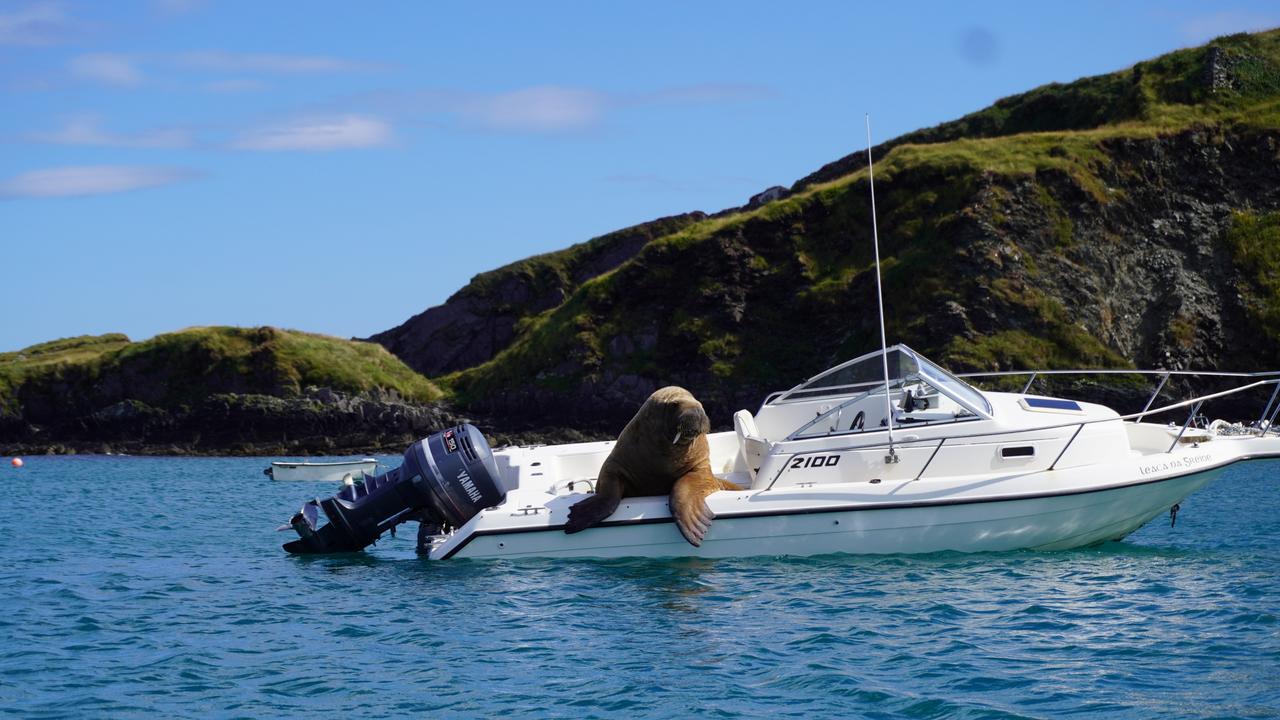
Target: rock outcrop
{"x":213,"y":390}
{"x":321,"y":421}
{"x":484,"y":317}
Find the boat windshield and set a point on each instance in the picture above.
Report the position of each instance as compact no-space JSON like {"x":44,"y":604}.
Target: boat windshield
{"x":920,"y":391}
{"x":856,"y":375}
{"x":958,"y":389}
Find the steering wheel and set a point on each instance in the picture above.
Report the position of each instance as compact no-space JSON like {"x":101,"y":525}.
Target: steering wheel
{"x":858,"y":420}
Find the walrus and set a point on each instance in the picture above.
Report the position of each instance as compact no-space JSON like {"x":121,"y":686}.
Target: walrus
{"x":663,"y":450}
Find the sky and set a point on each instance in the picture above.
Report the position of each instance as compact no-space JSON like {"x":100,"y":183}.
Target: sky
{"x":338,"y":167}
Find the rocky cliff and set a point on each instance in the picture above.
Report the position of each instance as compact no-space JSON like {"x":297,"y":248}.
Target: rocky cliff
{"x":483,"y":318}
{"x":212,"y":390}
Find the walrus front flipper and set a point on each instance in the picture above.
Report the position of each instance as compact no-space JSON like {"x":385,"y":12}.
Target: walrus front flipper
{"x":694,"y":521}
{"x":591,"y":511}
{"x":689,"y":504}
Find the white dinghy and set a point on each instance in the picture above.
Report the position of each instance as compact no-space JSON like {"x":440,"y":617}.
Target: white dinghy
{"x":338,"y":471}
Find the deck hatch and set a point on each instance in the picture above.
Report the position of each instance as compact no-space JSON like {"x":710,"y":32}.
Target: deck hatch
{"x":1043,"y":404}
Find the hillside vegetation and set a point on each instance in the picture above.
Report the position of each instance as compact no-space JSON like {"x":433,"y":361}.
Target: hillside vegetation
{"x":484,"y":316}
{"x":81,"y":375}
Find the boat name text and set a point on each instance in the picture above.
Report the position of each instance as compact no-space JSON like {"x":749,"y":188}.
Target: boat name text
{"x":1175,"y":464}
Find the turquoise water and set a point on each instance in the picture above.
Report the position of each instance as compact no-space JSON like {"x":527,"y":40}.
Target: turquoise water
{"x":140,"y":587}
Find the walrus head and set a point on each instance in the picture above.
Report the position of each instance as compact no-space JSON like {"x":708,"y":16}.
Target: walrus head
{"x":691,"y":421}
{"x":683,"y":415}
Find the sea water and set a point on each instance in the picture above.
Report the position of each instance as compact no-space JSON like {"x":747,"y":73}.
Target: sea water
{"x":156,"y":587}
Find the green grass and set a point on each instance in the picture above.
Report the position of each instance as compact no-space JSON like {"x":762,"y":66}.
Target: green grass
{"x":186,"y":366}
{"x":66,"y":349}
{"x":1254,"y":242}
{"x":324,"y":361}
{"x":17,"y":367}
{"x":555,"y":271}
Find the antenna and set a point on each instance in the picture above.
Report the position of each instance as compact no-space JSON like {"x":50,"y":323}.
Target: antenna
{"x":892,"y":457}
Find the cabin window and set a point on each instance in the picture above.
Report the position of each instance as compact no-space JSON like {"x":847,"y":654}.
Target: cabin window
{"x":914,"y":400}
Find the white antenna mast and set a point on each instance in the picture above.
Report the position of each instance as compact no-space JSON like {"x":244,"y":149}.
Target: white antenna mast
{"x":892,"y":457}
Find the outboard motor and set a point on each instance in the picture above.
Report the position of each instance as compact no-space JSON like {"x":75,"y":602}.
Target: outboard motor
{"x":446,"y":480}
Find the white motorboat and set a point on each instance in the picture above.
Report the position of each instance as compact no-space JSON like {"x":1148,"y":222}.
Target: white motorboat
{"x":830,"y":466}
{"x":886,"y":453}
{"x":339,"y":471}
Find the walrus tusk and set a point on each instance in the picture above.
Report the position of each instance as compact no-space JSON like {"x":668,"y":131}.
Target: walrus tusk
{"x":677,"y":438}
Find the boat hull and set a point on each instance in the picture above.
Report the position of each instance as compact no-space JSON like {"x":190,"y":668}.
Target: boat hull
{"x":321,"y":472}
{"x":1049,"y":522}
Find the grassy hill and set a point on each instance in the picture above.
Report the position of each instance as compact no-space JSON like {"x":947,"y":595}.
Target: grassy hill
{"x":81,"y":375}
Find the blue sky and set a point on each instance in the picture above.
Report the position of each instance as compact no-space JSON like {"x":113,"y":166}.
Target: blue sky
{"x":338,"y":167}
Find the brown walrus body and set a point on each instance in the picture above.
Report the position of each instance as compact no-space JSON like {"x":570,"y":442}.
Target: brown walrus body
{"x":663,"y":450}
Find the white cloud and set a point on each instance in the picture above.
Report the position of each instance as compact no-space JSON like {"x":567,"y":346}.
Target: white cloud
{"x":214,"y":61}
{"x":537,"y":109}
{"x":340,"y":132}
{"x":107,"y":68}
{"x":87,"y":130}
{"x":89,"y":180}
{"x":42,"y":23}
{"x":1226,"y":22}
{"x":126,"y":71}
{"x":552,"y":108}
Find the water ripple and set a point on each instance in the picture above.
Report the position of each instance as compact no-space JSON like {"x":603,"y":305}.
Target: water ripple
{"x":179,"y":603}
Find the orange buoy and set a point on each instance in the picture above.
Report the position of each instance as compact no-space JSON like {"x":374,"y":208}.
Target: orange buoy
{"x":16,"y":462}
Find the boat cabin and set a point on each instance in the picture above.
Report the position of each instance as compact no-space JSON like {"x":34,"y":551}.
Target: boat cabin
{"x":848,"y":424}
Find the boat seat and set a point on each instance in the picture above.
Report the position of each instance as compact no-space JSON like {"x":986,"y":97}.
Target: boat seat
{"x":751,"y":445}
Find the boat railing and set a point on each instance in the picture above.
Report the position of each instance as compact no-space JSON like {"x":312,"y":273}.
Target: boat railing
{"x":1164,"y":378}
{"x":1194,"y":403}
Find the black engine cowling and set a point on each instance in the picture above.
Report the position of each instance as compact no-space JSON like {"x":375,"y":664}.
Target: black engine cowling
{"x":446,"y":479}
